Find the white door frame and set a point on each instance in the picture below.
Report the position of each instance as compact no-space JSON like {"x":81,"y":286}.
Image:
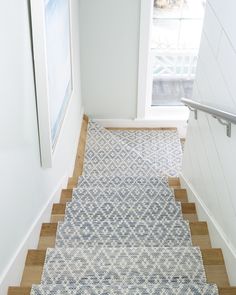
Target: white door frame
{"x":144,"y":97}
{"x":144,"y":56}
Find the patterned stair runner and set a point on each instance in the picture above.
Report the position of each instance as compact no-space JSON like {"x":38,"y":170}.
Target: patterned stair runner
{"x":124,"y":181}
{"x":77,"y":212}
{"x":112,"y":266}
{"x":122,"y":194}
{"x":161,"y":149}
{"x":170,"y":289}
{"x":124,"y":232}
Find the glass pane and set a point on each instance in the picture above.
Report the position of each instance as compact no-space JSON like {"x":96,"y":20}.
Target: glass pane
{"x":165,"y":10}
{"x":193,"y":9}
{"x":190,"y":34}
{"x":177,"y":28}
{"x":169,"y":92}
{"x":165,"y":33}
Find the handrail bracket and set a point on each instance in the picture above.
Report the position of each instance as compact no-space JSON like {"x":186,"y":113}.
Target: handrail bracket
{"x":223,"y":117}
{"x":193,"y":110}
{"x":225,"y":123}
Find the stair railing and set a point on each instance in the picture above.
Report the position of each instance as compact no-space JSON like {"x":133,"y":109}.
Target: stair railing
{"x":223,"y":117}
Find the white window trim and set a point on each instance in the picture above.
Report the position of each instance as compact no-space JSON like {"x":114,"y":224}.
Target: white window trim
{"x":144,"y":56}
{"x":144,"y":108}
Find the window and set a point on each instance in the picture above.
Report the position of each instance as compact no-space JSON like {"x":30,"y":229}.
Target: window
{"x":176,"y":34}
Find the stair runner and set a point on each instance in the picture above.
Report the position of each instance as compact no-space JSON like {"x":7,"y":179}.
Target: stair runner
{"x":124,"y":232}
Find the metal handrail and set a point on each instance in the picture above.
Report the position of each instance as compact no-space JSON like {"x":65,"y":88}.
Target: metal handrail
{"x":224,"y":118}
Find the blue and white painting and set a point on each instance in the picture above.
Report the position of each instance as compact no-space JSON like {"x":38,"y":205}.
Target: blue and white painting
{"x":58,"y":52}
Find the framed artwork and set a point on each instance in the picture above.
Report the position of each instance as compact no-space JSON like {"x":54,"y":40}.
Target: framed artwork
{"x":53,"y":69}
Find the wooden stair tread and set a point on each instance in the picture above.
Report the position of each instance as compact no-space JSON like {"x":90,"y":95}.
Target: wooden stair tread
{"x":27,"y":290}
{"x":72,"y":182}
{"x":35,"y":257}
{"x":58,"y":208}
{"x":212,"y":259}
{"x":227,"y":290}
{"x":19,"y":291}
{"x":187,"y":208}
{"x":197,"y":228}
{"x":181,"y":195}
{"x":48,"y":229}
{"x":174,"y":182}
{"x":66,"y":195}
{"x":199,"y":233}
{"x":211,"y":256}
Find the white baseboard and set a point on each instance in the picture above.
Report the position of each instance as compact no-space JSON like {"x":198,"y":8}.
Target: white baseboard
{"x":13,"y":272}
{"x":145,"y":123}
{"x":217,"y":234}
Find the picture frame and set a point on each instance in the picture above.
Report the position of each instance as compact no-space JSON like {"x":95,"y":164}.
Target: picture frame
{"x":52,"y":55}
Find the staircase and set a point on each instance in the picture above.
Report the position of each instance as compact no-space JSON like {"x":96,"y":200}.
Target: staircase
{"x":122,"y":226}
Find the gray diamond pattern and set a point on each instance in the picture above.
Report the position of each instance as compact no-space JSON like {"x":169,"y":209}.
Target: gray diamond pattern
{"x":124,"y":233}
{"x":125,"y":266}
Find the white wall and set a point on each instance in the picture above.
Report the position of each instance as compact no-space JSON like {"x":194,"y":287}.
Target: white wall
{"x":210,"y":156}
{"x":109,"y":31}
{"x":25,"y":188}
